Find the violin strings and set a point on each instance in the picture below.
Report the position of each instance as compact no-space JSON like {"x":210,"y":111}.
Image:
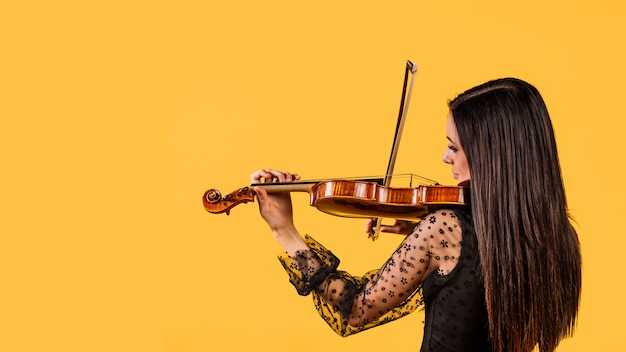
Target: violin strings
{"x":378,"y":178}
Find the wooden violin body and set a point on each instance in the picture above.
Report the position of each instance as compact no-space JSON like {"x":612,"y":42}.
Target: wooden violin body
{"x":349,"y":198}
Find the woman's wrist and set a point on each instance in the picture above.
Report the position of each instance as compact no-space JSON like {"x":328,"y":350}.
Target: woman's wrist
{"x":289,"y":238}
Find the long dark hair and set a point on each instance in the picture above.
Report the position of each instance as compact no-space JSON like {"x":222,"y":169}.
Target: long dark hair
{"x":529,"y":251}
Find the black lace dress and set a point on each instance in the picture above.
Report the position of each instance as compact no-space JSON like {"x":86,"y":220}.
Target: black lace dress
{"x":435,"y":268}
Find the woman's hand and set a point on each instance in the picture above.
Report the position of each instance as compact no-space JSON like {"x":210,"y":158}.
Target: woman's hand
{"x":275,"y":208}
{"x":401,"y":227}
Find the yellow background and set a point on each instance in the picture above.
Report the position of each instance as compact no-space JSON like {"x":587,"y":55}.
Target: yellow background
{"x":117,"y":116}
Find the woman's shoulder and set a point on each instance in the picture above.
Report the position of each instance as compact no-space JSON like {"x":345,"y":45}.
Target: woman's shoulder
{"x":440,"y":224}
{"x":444,"y":216}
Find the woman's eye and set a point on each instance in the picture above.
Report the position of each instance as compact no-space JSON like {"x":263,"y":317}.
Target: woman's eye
{"x":452,"y":148}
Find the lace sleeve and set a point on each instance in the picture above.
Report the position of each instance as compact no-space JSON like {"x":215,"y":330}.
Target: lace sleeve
{"x":350,"y":304}
{"x":309,"y":268}
{"x":315,"y":271}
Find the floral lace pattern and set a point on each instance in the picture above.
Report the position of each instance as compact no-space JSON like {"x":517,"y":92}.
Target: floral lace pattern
{"x":350,"y":304}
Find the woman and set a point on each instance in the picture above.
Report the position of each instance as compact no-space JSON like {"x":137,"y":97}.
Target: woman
{"x":503,"y":274}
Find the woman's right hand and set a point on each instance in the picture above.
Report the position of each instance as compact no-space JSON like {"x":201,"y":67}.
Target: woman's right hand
{"x":401,"y":227}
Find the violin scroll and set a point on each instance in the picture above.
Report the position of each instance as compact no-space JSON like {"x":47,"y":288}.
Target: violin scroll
{"x":213,"y":196}
{"x":214,"y":202}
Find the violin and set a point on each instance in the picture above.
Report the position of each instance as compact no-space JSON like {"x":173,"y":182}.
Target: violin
{"x":360,"y":198}
{"x":351,"y":198}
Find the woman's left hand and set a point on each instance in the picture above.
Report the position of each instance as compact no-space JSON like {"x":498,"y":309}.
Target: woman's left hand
{"x":275,"y":208}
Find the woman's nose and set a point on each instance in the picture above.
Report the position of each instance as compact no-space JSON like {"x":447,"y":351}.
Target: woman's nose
{"x":446,"y":157}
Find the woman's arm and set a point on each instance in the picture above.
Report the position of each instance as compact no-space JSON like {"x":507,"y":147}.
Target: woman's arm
{"x":433,"y":245}
{"x":350,"y":303}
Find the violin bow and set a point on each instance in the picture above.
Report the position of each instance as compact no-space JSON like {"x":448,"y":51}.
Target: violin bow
{"x":411,"y":69}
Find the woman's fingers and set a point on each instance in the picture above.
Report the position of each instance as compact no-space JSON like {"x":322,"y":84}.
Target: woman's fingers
{"x":400,"y":227}
{"x":259,"y":175}
{"x":281,"y":176}
{"x":272,"y":176}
